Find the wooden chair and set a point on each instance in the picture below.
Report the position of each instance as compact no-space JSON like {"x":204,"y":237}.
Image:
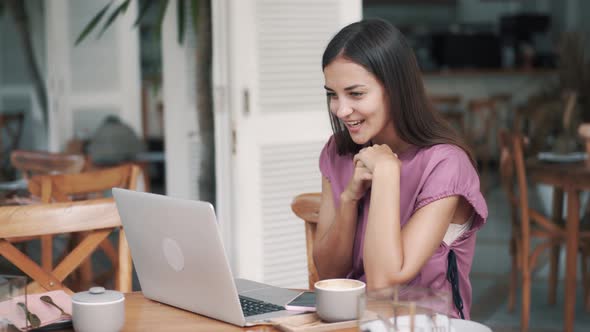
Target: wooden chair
{"x":307,"y":207}
{"x":450,"y":108}
{"x":528,"y":224}
{"x":70,"y":187}
{"x":584,"y":133}
{"x":31,"y":163}
{"x":96,"y":218}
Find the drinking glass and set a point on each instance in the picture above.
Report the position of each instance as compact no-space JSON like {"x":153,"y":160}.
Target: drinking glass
{"x":406,"y":309}
{"x":12,"y":299}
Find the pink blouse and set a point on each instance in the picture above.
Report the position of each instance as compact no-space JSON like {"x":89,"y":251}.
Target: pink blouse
{"x":427,"y":174}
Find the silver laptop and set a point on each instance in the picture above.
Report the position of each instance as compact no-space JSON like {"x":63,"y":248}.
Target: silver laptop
{"x":180,"y":260}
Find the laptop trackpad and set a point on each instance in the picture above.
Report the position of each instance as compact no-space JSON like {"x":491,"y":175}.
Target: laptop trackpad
{"x":264,"y":292}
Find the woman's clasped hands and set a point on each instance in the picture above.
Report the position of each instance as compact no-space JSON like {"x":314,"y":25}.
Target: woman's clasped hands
{"x":365,"y":163}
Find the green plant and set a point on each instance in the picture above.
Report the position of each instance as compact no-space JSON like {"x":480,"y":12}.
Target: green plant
{"x":144,"y":7}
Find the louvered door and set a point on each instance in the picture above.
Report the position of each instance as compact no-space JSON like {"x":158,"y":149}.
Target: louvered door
{"x":280,"y":123}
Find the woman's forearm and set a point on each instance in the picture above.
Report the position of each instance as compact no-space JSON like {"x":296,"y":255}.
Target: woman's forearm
{"x":383,"y":254}
{"x":333,"y":249}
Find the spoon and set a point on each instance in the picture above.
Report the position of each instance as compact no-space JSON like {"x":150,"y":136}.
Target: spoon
{"x":31,"y":317}
{"x":49,"y":300}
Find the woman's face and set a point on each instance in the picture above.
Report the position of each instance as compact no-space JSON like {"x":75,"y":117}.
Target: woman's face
{"x":359,"y":101}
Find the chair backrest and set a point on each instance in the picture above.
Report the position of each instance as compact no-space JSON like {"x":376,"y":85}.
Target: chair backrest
{"x":32,"y":163}
{"x":97,"y":218}
{"x":67,"y":187}
{"x":508,"y":174}
{"x":307,"y":207}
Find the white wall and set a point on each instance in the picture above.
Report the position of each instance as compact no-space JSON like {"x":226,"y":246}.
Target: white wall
{"x":97,"y":78}
{"x":104,"y":72}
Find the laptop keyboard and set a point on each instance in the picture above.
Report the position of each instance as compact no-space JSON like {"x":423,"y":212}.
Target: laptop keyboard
{"x":252,"y":307}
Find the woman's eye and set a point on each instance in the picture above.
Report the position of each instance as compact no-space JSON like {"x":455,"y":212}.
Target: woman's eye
{"x":356,"y":93}
{"x":330,"y":95}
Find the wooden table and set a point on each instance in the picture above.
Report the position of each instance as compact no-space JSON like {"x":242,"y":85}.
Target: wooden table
{"x":571,"y":178}
{"x":142,"y":314}
{"x":146,"y":315}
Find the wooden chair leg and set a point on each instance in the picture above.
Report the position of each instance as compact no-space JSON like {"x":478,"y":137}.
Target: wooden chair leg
{"x":586,"y":278}
{"x":123,"y":277}
{"x":47,"y":252}
{"x":553,"y":273}
{"x":526,"y":300}
{"x":513,"y":276}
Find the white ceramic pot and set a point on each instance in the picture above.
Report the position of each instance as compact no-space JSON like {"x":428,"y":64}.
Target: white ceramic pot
{"x":98,"y":310}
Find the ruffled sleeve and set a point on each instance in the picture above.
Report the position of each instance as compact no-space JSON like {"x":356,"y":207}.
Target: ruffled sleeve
{"x":449,"y":172}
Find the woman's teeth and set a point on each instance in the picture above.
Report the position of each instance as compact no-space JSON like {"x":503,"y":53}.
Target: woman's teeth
{"x":354,"y":123}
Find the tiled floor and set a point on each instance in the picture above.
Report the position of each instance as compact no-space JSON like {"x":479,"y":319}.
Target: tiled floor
{"x":490,"y":280}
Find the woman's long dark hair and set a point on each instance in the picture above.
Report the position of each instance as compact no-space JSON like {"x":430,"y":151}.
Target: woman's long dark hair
{"x":382,"y":50}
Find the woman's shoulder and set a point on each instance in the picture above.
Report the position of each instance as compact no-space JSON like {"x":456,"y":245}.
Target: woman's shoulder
{"x":443,"y":150}
{"x":448,"y":153}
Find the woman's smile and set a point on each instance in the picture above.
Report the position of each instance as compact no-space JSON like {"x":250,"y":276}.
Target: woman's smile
{"x":354,"y":126}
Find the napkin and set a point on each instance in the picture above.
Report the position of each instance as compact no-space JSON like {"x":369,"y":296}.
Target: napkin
{"x":47,"y":313}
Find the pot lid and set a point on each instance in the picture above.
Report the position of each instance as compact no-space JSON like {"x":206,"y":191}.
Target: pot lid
{"x":98,"y":295}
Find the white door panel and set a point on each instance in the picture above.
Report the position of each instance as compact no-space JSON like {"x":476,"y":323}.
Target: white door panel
{"x":280,"y":122}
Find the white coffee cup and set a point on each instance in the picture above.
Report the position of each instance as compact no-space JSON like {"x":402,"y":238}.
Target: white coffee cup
{"x":338,"y":299}
{"x":98,"y":310}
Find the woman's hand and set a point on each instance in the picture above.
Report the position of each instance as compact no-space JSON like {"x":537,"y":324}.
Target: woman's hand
{"x":374,"y":155}
{"x":359,"y":183}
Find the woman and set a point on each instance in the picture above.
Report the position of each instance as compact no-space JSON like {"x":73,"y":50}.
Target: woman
{"x":400,"y":194}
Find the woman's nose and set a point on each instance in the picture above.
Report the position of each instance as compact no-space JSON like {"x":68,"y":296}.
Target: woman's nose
{"x":343,"y":109}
